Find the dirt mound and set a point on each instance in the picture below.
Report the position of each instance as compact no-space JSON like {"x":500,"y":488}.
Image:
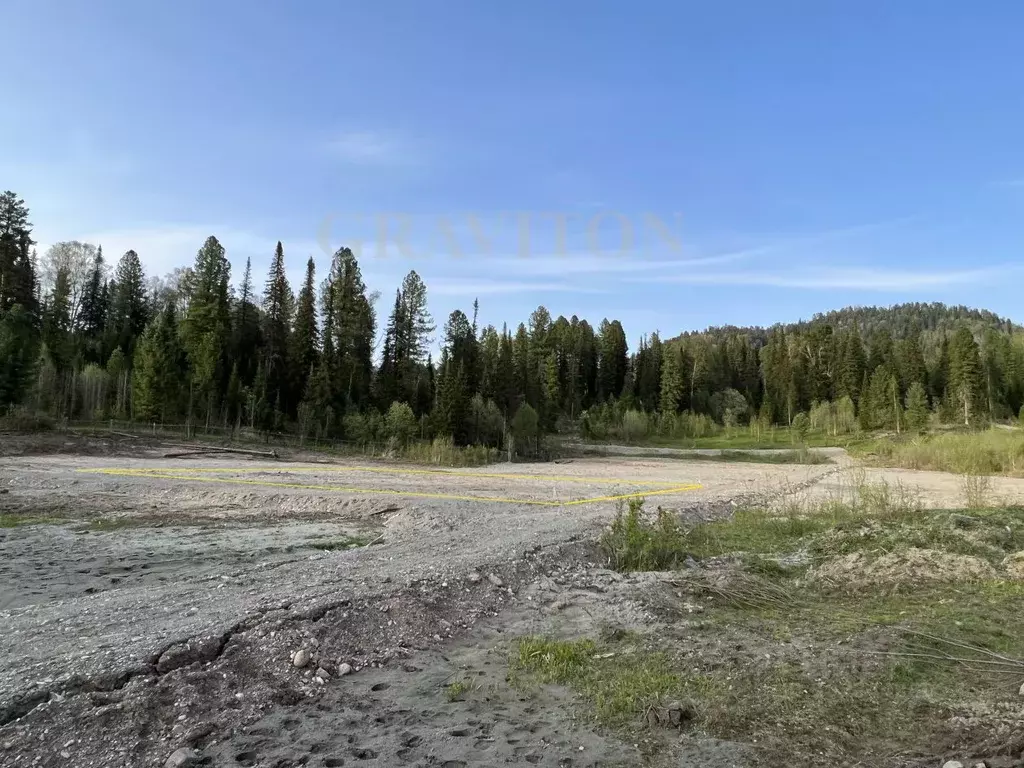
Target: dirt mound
{"x":910,"y":566}
{"x":1014,"y":566}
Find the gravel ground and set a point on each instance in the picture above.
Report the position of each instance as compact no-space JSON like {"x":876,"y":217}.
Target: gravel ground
{"x":173,"y":622}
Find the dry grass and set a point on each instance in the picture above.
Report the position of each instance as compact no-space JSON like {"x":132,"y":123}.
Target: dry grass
{"x":991,"y":452}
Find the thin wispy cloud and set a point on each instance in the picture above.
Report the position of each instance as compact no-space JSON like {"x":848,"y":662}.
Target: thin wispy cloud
{"x":368,"y":148}
{"x":471,"y":287}
{"x":869,"y":279}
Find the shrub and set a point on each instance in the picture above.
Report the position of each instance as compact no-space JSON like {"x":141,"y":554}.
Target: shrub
{"x":633,"y":543}
{"x":634,"y":425}
{"x":400,"y":423}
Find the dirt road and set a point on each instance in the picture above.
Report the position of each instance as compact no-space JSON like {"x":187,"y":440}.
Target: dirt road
{"x":159,"y":604}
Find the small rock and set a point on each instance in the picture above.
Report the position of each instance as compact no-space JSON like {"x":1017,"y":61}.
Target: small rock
{"x":301,"y":658}
{"x":323,"y":673}
{"x":474,"y":577}
{"x":953,"y":764}
{"x":181,"y":758}
{"x":980,"y":765}
{"x":344,"y":669}
{"x":495,"y":579}
{"x":198,"y":732}
{"x":1021,"y":691}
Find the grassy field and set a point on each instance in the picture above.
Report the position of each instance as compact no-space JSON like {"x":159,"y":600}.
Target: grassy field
{"x":843,"y":633}
{"x":995,"y":451}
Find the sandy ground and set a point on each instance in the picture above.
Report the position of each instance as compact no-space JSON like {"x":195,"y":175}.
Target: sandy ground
{"x":172,"y":624}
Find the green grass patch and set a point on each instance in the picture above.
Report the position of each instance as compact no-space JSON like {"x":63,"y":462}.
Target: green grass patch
{"x":621,"y":683}
{"x":763,"y":456}
{"x":457,"y":690}
{"x":818,"y":671}
{"x":340,"y":543}
{"x":15,"y":521}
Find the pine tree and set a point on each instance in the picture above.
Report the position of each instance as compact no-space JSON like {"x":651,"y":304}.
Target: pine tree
{"x":612,"y":361}
{"x":277,"y":305}
{"x":508,"y":395}
{"x":305,"y":336}
{"x":852,"y":366}
{"x":245,"y":330}
{"x":129,"y":308}
{"x":916,"y":406}
{"x":206,"y":328}
{"x":156,"y":371}
{"x":93,"y":316}
{"x":965,"y":377}
{"x":671,"y":394}
{"x":17,"y":271}
{"x":417,"y":325}
{"x":18,"y":354}
{"x":353,"y":327}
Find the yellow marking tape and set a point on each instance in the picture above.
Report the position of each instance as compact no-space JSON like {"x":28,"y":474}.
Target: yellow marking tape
{"x":397,"y":471}
{"x":176,"y":475}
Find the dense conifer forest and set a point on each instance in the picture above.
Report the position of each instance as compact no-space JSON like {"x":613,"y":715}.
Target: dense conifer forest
{"x":88,"y":335}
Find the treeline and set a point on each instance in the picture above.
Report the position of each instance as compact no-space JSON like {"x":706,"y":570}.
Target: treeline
{"x":81,"y":340}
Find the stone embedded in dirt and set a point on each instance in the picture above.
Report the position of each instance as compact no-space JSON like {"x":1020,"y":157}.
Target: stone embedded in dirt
{"x":953,"y":764}
{"x":344,"y":669}
{"x":474,"y":577}
{"x":301,"y":658}
{"x":182,"y":758}
{"x":198,"y":732}
{"x":1021,"y":691}
{"x":495,"y":579}
{"x":323,"y":673}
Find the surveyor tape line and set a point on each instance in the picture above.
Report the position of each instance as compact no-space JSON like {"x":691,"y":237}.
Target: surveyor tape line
{"x":397,"y":471}
{"x":172,"y":475}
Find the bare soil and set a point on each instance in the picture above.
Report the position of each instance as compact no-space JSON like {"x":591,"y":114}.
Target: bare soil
{"x":148,"y":613}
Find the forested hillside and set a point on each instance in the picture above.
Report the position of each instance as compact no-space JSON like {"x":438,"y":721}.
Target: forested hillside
{"x":82,"y":337}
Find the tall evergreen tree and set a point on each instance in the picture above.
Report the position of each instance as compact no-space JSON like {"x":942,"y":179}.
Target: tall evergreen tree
{"x":206,"y":328}
{"x":353,"y":327}
{"x":129,"y":309}
{"x":671,"y":389}
{"x":156,"y":371}
{"x":965,"y":386}
{"x":277,"y":308}
{"x":305,"y":336}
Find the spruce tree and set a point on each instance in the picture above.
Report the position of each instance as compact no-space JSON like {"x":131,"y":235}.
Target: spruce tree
{"x":965,"y":385}
{"x":305,"y":335}
{"x":206,"y":328}
{"x":916,"y":406}
{"x":156,"y":370}
{"x":245,"y":330}
{"x":277,"y":306}
{"x":129,"y":307}
{"x":353,"y":327}
{"x":671,"y":390}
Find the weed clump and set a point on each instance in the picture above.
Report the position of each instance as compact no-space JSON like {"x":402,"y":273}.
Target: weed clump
{"x":636,"y":543}
{"x":623,"y":684}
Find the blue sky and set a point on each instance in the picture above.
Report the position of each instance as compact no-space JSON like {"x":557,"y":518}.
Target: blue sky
{"x":805,"y":156}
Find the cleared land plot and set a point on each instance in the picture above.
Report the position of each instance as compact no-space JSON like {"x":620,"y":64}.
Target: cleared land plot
{"x":546,"y":489}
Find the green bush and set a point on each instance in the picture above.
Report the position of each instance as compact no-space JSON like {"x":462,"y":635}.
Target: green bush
{"x":633,"y":543}
{"x":400,"y":423}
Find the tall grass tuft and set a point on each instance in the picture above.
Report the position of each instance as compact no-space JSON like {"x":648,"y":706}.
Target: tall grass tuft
{"x":635,"y":543}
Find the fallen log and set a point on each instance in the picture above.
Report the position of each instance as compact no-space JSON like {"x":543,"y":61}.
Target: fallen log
{"x":195,"y":449}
